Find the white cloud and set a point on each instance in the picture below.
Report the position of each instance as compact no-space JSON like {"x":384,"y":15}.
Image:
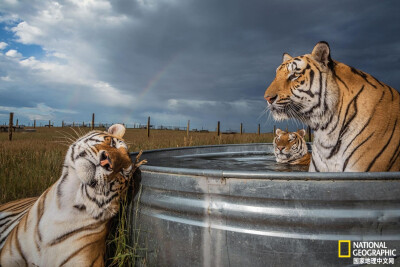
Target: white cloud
{"x":40,"y":112}
{"x":6,"y":78}
{"x":3,"y":45}
{"x":11,"y":2}
{"x":31,"y":62}
{"x":9,"y":17}
{"x":72,"y":57}
{"x":13,"y":53}
{"x":26,"y":33}
{"x":59,"y":55}
{"x":109,"y":96}
{"x":99,"y":91}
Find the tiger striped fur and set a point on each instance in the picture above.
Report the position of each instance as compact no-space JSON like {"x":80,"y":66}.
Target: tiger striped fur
{"x":11,"y":213}
{"x":355,"y":117}
{"x":291,"y":148}
{"x":68,"y":224}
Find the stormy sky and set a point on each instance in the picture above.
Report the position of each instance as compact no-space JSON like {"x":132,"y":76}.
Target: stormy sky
{"x":176,"y":60}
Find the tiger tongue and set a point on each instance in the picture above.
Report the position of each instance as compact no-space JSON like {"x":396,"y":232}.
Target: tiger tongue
{"x":106,"y":161}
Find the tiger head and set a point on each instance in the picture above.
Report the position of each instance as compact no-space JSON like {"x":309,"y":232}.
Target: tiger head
{"x":299,"y":89}
{"x":289,"y":146}
{"x":100,"y":163}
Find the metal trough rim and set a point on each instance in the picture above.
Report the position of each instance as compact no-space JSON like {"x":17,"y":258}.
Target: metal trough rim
{"x":272,"y":175}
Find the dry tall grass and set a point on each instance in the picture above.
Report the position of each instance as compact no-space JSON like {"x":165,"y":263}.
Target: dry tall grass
{"x":32,"y":161}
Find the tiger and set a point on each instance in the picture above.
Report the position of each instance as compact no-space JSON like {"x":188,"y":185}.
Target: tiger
{"x":291,"y":148}
{"x":68,"y":224}
{"x":354,"y":116}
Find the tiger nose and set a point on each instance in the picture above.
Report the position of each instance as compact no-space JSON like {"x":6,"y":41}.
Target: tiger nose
{"x":280,"y":148}
{"x":270,"y":99}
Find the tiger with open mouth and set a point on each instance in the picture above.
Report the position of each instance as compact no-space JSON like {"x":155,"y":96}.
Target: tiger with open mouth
{"x":68,"y":224}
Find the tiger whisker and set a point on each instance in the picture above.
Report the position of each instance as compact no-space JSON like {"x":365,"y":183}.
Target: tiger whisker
{"x":65,"y":133}
{"x":77,"y":135}
{"x":80,"y":132}
{"x":66,"y":138}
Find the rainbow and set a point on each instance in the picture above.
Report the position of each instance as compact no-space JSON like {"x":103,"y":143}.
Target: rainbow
{"x":152,"y":83}
{"x":73,"y":98}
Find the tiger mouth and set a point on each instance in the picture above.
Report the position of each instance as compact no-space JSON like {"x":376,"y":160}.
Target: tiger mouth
{"x":280,"y":107}
{"x":286,"y":110}
{"x":282,"y":155}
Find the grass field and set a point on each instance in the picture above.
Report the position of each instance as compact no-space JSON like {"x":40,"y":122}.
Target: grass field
{"x":32,"y":161}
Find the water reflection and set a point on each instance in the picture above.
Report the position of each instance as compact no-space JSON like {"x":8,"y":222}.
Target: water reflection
{"x":227,"y":161}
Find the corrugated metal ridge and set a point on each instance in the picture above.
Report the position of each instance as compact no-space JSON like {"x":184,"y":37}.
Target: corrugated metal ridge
{"x":276,"y":175}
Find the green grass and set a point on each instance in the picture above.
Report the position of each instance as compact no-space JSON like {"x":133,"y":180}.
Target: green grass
{"x":123,"y":245}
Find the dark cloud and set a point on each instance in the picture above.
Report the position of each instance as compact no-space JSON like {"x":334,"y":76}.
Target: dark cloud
{"x":220,"y":54}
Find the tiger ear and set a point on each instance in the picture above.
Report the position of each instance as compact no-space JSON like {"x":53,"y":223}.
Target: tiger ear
{"x":278,"y":131}
{"x":321,"y":52}
{"x":117,"y":129}
{"x":286,"y":57}
{"x":301,"y":132}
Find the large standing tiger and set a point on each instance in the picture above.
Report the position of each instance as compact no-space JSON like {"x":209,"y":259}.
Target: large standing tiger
{"x":355,"y":117}
{"x":68,"y":224}
{"x":291,"y":148}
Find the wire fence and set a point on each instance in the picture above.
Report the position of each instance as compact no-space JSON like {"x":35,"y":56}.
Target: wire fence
{"x":11,"y":127}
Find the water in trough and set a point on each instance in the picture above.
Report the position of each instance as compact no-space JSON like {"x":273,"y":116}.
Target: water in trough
{"x":232,"y":161}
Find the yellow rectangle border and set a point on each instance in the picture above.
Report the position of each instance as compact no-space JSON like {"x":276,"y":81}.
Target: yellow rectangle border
{"x":345,"y":256}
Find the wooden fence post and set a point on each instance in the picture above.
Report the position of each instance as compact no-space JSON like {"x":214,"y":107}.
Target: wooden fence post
{"x":218,"y":128}
{"x":187,"y":129}
{"x":49,"y":123}
{"x":148,"y":126}
{"x":258,"y":130}
{"x":62,"y":124}
{"x":241,"y":128}
{"x":10,"y":126}
{"x":92,"y":121}
{"x":274,"y":131}
{"x":34,"y":123}
{"x":309,"y":133}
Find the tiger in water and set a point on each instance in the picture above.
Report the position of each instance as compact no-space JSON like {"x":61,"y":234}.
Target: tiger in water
{"x":355,"y":117}
{"x":291,"y":148}
{"x":68,"y":224}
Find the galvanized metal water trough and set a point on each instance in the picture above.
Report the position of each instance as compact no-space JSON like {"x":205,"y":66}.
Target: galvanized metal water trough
{"x":202,"y":217}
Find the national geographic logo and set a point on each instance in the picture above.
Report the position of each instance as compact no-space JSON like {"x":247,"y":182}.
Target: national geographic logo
{"x":366,"y":252}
